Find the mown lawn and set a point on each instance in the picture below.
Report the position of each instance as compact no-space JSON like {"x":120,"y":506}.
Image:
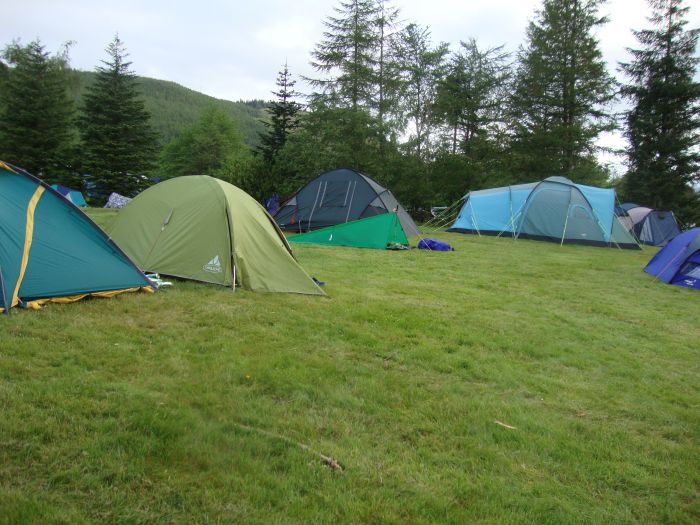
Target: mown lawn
{"x":190,"y":405}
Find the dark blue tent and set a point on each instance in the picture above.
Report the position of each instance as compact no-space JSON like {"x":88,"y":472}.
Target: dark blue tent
{"x":337,"y":197}
{"x":650,"y":226}
{"x":679,"y":261}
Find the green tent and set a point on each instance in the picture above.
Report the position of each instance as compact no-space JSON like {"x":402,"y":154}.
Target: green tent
{"x":50,"y":251}
{"x":377,"y":232}
{"x":202,"y":228}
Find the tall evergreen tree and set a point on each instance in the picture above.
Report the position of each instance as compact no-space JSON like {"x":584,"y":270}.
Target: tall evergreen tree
{"x":119,"y":145}
{"x":561,"y":94}
{"x":36,"y":113}
{"x":422,"y":67}
{"x":347,"y":54}
{"x":470,"y":96}
{"x":346,"y":57}
{"x":284,"y":113}
{"x":385,"y":71}
{"x":663,"y":125}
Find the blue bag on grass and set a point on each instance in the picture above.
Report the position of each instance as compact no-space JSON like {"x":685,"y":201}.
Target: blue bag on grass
{"x":434,"y":245}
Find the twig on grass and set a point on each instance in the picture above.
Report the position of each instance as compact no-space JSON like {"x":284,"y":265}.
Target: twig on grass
{"x":504,"y":425}
{"x":326,"y":460}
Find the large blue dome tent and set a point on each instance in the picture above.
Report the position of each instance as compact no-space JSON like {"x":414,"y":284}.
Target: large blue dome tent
{"x":554,"y":209}
{"x":679,"y":261}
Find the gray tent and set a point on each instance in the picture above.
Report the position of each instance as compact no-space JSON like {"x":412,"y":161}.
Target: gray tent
{"x":650,"y":226}
{"x":340,"y":196}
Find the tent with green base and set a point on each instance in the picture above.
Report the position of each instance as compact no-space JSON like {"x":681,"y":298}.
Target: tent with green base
{"x":379,"y":232}
{"x":50,"y":251}
{"x":205,"y":229}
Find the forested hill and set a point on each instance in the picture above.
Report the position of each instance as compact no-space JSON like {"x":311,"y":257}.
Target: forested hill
{"x":174,"y":107}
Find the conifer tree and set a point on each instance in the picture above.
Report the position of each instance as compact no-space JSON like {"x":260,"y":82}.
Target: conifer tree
{"x":36,"y":113}
{"x":561,"y":94}
{"x":422,"y":67}
{"x":118,"y":143}
{"x":348,"y":54}
{"x":470,"y":97}
{"x":663,"y":124}
{"x":283,"y":116}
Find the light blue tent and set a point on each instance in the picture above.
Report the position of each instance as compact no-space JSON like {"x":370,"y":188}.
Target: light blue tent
{"x":554,"y":209}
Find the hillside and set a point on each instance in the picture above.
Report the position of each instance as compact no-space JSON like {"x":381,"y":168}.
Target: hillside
{"x":174,"y":107}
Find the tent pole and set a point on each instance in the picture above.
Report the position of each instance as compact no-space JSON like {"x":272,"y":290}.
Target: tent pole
{"x":474,"y":218}
{"x":2,"y":295}
{"x":308,"y":225}
{"x":352,"y":196}
{"x":566,"y":219}
{"x":566,"y":222}
{"x":233,"y":284}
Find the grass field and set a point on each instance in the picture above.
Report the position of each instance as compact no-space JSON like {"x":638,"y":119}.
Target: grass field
{"x":202,"y":405}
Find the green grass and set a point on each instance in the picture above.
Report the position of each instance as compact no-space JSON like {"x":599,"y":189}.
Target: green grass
{"x":183,"y":406}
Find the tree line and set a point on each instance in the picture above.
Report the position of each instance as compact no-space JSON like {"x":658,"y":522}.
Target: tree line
{"x":428,"y":121}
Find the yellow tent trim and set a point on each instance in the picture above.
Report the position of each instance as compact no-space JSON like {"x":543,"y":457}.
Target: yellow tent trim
{"x":6,"y":167}
{"x":38,"y":303}
{"x":28,"y":235}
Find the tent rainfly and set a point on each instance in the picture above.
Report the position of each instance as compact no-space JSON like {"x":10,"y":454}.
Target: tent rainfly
{"x":201,"y":228}
{"x":340,"y":196}
{"x":554,"y":209}
{"x":679,"y":261}
{"x":50,"y":251}
{"x":380,"y":232}
{"x":649,"y":226}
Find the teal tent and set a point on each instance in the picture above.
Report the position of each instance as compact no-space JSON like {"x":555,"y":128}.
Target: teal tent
{"x":50,"y":251}
{"x":70,"y":194}
{"x":380,"y":232}
{"x":554,"y":209}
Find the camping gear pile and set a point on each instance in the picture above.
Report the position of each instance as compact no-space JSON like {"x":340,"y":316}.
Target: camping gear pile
{"x":116,"y":201}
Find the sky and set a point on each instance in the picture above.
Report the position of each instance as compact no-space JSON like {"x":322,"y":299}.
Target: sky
{"x":232,"y":49}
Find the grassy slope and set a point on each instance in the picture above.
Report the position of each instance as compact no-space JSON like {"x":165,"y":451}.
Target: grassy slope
{"x":130,"y":410}
{"x":174,"y":107}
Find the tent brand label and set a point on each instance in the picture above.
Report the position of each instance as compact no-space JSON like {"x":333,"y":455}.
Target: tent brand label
{"x":213,"y":266}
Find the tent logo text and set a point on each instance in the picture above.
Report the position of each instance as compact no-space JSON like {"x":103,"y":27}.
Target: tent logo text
{"x":213,"y":266}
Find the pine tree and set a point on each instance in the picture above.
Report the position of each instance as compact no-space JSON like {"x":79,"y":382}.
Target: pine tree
{"x":119,"y":145}
{"x":561,"y":94}
{"x":283,"y":116}
{"x":386,"y":75}
{"x":36,"y":114}
{"x":348,"y":54}
{"x":662,"y":126}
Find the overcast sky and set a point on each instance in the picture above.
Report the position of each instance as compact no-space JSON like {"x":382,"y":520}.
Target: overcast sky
{"x":233,"y":49}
